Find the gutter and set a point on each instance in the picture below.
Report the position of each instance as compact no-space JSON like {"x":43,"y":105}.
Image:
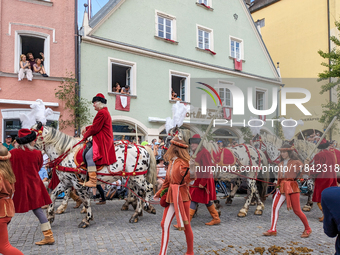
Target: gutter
{"x":329,"y":60}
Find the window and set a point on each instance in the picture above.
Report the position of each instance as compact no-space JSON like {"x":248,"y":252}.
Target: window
{"x":236,"y":48}
{"x":12,"y":127}
{"x":32,"y":42}
{"x":203,"y":2}
{"x":125,"y":131}
{"x":204,"y":38}
{"x":260,"y":100}
{"x":179,"y":86}
{"x":165,"y":26}
{"x":224,"y":93}
{"x":123,"y":73}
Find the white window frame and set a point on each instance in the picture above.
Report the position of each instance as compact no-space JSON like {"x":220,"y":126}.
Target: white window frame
{"x":18,"y":48}
{"x":133,"y":73}
{"x":187,"y":83}
{"x":173,"y":24}
{"x":265,"y":98}
{"x":240,"y":41}
{"x":209,"y":2}
{"x":223,"y":85}
{"x":211,"y":36}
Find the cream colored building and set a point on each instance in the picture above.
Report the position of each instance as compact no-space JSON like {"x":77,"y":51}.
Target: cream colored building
{"x":293,"y":32}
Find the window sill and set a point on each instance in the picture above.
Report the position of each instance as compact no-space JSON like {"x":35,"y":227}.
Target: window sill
{"x":175,"y":101}
{"x":243,"y":61}
{"x":205,"y":6}
{"x":41,"y":2}
{"x":114,"y":93}
{"x":207,"y":51}
{"x":166,"y":40}
{"x":35,"y":77}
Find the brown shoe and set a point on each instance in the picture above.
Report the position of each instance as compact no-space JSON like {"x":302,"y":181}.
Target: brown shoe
{"x":214,"y":214}
{"x":92,"y":183}
{"x":269,"y":233}
{"x":101,"y":203}
{"x":306,"y":233}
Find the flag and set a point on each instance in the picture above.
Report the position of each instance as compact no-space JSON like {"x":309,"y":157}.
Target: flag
{"x":122,"y":103}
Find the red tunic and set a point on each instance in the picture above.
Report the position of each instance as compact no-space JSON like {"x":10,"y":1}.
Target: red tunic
{"x":102,"y":134}
{"x":206,"y":179}
{"x":325,"y":176}
{"x":30,"y":192}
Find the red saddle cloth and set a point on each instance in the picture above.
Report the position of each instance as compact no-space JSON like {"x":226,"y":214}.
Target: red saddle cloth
{"x":79,"y":160}
{"x":223,"y":157}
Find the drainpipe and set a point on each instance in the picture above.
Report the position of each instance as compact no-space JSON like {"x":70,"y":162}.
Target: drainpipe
{"x":76,"y":35}
{"x":329,"y":61}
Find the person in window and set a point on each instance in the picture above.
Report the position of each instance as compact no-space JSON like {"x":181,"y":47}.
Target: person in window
{"x":25,"y":69}
{"x":174,"y":96}
{"x":125,"y":90}
{"x":117,"y":88}
{"x":8,"y":143}
{"x":31,"y":59}
{"x":39,"y":68}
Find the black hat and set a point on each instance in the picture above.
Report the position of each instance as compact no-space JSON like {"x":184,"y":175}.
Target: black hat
{"x":99,"y":98}
{"x":195,"y":139}
{"x":25,"y":136}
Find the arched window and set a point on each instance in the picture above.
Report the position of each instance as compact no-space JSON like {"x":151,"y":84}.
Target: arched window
{"x":127,"y":131}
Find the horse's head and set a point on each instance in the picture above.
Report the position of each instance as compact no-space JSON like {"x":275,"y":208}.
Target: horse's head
{"x":40,"y":131}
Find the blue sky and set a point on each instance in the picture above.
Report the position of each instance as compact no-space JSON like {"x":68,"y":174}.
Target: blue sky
{"x":96,"y":6}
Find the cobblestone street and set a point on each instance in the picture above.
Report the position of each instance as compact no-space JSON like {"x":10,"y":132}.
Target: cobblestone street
{"x":111,"y":232}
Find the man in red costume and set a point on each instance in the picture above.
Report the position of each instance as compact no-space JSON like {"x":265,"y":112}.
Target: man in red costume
{"x":30,"y":192}
{"x":203,"y":190}
{"x":102,"y":152}
{"x":324,"y":172}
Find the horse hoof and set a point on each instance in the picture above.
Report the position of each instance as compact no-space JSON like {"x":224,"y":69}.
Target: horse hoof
{"x":59,"y":211}
{"x":258,"y":212}
{"x":253,"y":203}
{"x":306,"y":209}
{"x":51,"y":220}
{"x":219,"y":214}
{"x":124,"y":208}
{"x":82,"y":225}
{"x":133,"y":220}
{"x":153,"y":211}
{"x":240,"y":214}
{"x":140,"y":214}
{"x":83,"y":211}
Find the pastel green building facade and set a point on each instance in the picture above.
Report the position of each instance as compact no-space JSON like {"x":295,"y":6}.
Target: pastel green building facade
{"x":157,"y":46}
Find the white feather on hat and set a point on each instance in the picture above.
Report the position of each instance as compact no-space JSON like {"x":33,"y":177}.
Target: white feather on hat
{"x":289,"y":131}
{"x":258,"y":124}
{"x":179,"y":112}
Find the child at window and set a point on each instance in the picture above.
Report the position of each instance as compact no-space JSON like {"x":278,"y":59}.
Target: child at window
{"x":24,"y":69}
{"x":174,"y":96}
{"x":126,"y":90}
{"x":39,"y":68}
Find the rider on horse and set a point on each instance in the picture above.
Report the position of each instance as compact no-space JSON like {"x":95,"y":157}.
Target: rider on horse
{"x":102,"y":151}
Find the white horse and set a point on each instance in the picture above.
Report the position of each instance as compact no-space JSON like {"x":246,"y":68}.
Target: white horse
{"x":54,"y":143}
{"x":257,"y":158}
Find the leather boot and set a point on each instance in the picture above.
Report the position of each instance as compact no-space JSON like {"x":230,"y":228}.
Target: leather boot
{"x":214,"y":214}
{"x":191,"y":213}
{"x":76,"y":198}
{"x":48,"y":235}
{"x":92,"y":183}
{"x":320,"y":207}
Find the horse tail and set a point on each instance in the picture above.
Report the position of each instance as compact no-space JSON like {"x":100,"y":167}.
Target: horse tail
{"x":151,"y":175}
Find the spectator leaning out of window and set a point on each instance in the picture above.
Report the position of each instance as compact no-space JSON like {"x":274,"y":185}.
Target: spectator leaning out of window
{"x":8,"y":143}
{"x":25,"y":69}
{"x":117,"y":88}
{"x":125,"y":90}
{"x":39,"y":68}
{"x":174,"y":96}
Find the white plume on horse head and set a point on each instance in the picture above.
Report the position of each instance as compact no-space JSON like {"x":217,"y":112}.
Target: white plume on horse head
{"x":38,"y":112}
{"x":255,"y":127}
{"x":179,"y":112}
{"x":289,"y":128}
